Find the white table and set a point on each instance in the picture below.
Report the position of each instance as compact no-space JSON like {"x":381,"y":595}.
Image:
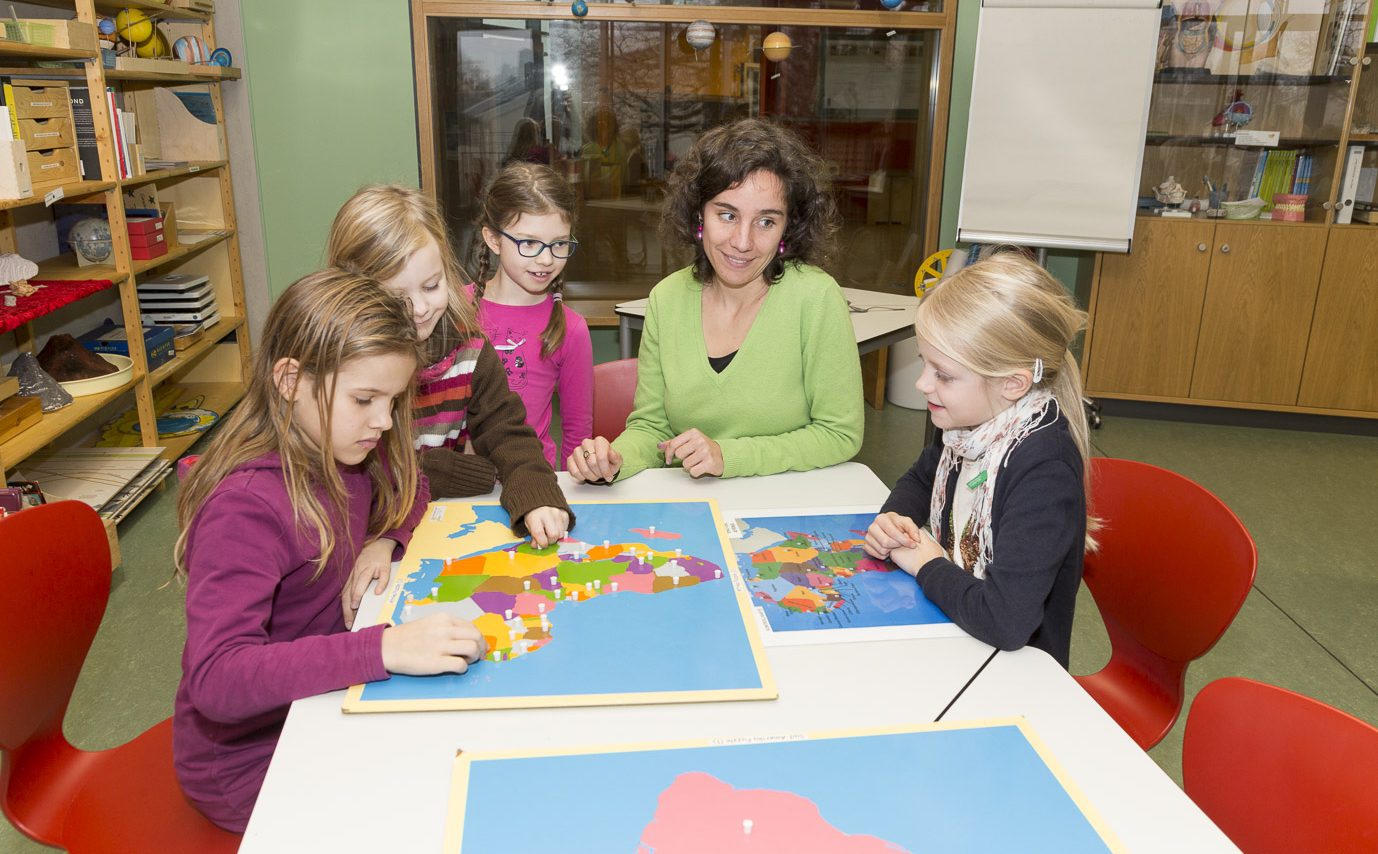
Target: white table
{"x":1141,"y":804}
{"x":380,"y":782}
{"x":878,"y":319}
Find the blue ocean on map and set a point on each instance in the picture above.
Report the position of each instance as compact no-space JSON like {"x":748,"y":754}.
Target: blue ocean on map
{"x":688,"y":639}
{"x":970,"y":789}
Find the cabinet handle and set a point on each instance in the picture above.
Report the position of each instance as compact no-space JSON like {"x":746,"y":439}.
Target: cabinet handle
{"x":1200,"y":247}
{"x":1327,"y":205}
{"x":1225,"y":248}
{"x":1354,"y":60}
{"x":1368,"y":60}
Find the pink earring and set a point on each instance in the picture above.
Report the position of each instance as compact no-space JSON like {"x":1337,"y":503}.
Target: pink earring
{"x":782,"y":247}
{"x":699,"y":236}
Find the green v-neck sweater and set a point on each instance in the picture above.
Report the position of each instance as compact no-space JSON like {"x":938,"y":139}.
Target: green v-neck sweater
{"x":789,"y":401}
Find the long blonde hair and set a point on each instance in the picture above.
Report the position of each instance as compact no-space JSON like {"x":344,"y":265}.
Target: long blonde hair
{"x":323,"y":321}
{"x":377,"y":231}
{"x":999,"y":316}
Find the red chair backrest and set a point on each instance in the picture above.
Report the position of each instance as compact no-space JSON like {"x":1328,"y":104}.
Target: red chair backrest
{"x":1174,"y":563}
{"x":53,"y":591}
{"x":1280,"y":772}
{"x":614,"y":390}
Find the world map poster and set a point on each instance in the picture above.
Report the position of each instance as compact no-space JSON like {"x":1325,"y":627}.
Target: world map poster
{"x":972,"y":787}
{"x":639,"y":603}
{"x":811,"y":582}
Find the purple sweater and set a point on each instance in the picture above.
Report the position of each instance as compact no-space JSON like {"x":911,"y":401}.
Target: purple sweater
{"x":515,"y":332}
{"x":260,"y":634}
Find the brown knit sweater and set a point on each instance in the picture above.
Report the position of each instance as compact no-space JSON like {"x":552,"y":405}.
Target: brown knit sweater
{"x":463,"y":394}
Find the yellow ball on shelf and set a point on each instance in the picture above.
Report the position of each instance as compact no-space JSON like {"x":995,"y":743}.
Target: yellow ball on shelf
{"x":134,"y":26}
{"x":777,"y":46}
{"x":154,"y":47}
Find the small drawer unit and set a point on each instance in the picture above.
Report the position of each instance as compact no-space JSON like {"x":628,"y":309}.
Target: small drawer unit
{"x":41,"y":113}
{"x":52,"y":167}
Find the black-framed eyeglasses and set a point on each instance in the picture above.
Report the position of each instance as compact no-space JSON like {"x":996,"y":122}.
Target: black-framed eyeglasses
{"x":529,"y":247}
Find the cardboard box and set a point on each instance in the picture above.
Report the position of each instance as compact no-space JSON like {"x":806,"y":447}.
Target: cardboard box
{"x":146,"y":241}
{"x":148,"y":253}
{"x":16,"y":182}
{"x":145,"y":225}
{"x":51,"y":32}
{"x":158,"y":342}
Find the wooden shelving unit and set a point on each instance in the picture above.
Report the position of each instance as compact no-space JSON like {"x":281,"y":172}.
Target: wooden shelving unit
{"x":215,"y":366}
{"x":1250,"y":314}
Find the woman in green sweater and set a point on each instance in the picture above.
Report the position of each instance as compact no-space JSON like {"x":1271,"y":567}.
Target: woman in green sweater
{"x":748,"y":365}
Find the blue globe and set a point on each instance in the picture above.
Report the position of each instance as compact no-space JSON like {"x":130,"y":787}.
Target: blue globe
{"x":891,"y":4}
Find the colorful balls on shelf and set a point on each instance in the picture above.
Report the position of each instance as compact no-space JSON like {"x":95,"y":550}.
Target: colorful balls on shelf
{"x":191,"y":49}
{"x":134,"y":26}
{"x":579,"y":8}
{"x":700,"y":35}
{"x":777,"y":46}
{"x":155,"y":47}
{"x":105,"y":27}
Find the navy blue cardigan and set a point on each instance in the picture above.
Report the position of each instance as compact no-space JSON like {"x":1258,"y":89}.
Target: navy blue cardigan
{"x":1038,"y":520}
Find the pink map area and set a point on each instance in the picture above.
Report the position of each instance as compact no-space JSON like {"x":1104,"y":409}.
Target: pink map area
{"x":656,"y":535}
{"x":698,"y":812}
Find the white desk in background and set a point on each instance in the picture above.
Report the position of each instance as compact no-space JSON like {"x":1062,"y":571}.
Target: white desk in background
{"x":1146,"y":810}
{"x":381,"y":782}
{"x":878,"y":320}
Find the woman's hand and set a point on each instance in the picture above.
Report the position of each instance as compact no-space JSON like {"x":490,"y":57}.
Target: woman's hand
{"x":373,"y":564}
{"x":547,"y":525}
{"x":440,"y":643}
{"x":698,"y":454}
{"x":594,"y":460}
{"x":912,"y":559}
{"x":888,"y":532}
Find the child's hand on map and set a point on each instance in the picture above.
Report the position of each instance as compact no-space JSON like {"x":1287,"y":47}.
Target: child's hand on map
{"x":373,"y":564}
{"x":912,"y":559}
{"x":594,"y":461}
{"x":440,"y":643}
{"x":698,"y":454}
{"x":546,"y":525}
{"x":888,"y":532}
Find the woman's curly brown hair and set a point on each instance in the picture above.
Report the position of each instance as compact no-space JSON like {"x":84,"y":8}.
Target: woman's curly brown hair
{"x":722,"y":158}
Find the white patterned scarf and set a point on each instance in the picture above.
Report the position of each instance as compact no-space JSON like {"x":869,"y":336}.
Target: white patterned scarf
{"x":988,"y":444}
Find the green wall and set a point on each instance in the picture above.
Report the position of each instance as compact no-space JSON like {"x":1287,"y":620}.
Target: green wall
{"x":332,"y":103}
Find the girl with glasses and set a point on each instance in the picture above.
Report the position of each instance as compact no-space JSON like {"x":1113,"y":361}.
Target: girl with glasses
{"x":526,"y":226}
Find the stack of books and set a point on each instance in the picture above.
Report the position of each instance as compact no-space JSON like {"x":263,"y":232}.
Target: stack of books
{"x":178,"y":298}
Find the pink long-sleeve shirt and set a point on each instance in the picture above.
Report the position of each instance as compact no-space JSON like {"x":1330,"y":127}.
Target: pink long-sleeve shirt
{"x":515,"y":333}
{"x":260,"y":633}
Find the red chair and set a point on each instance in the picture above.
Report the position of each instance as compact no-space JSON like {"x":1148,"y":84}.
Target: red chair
{"x":1280,"y":772}
{"x":614,"y":388}
{"x":53,"y":596}
{"x":1172,"y":570}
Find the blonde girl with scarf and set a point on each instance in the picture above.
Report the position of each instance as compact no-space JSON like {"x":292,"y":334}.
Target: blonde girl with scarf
{"x":992,"y":522}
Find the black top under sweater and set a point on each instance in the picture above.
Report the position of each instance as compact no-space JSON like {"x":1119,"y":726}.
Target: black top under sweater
{"x":1038,"y":521}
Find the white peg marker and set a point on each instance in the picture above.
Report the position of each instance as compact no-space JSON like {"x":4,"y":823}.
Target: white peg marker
{"x":747,"y":824}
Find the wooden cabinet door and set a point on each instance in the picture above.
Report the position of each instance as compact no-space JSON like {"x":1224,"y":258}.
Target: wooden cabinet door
{"x":1342,"y":355}
{"x":1148,"y":310}
{"x":1257,"y":316}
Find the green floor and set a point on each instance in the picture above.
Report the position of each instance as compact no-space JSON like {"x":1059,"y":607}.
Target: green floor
{"x":1311,"y":623}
